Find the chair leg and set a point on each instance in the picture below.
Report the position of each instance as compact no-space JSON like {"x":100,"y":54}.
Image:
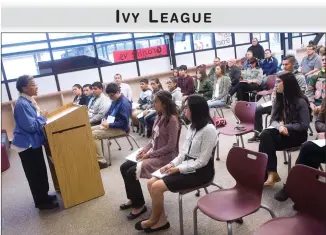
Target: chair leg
{"x":195,"y":220}
{"x":197,"y":193}
{"x":134,"y":140}
{"x":285,"y":160}
{"x":290,"y":162}
{"x":218,"y":150}
{"x":206,"y":191}
{"x":216,"y":185}
{"x":229,"y":228}
{"x":222,"y":112}
{"x":180,"y":214}
{"x":131,"y":146}
{"x":218,"y":113}
{"x":109,"y":152}
{"x":241,"y":138}
{"x":102,"y":144}
{"x":117,"y":143}
{"x":269,"y":210}
{"x":266,"y":121}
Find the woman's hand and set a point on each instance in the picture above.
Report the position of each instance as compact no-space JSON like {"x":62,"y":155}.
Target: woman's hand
{"x":142,"y":156}
{"x":283,"y":130}
{"x":173,"y":171}
{"x":165,"y":168}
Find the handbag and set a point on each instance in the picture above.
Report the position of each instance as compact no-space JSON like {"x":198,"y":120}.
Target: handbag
{"x":219,"y":122}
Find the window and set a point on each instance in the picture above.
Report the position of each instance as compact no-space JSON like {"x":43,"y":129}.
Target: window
{"x":259,"y":36}
{"x":24,"y":48}
{"x":156,"y":41}
{"x":142,"y":43}
{"x":138,"y":35}
{"x":202,"y":41}
{"x":112,"y":37}
{"x":241,"y":38}
{"x":295,"y":34}
{"x":74,"y":58}
{"x":67,"y":35}
{"x":115,"y":52}
{"x":71,"y":42}
{"x":223,"y":39}
{"x":10,"y":38}
{"x":182,"y":42}
{"x":27,"y":63}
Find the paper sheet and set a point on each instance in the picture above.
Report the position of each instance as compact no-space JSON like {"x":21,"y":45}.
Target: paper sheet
{"x":320,"y":143}
{"x":133,"y":155}
{"x":140,"y":115}
{"x":267,"y":104}
{"x":110,"y":119}
{"x":270,"y":127}
{"x":158,"y":174}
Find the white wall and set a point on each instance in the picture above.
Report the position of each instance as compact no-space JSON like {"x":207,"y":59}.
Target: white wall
{"x":4,"y":94}
{"x":67,"y":80}
{"x":225,"y":53}
{"x":45,"y":85}
{"x":127,"y":70}
{"x":152,"y":66}
{"x":265,"y":45}
{"x":186,"y":59}
{"x":296,"y":43}
{"x":205,"y":57}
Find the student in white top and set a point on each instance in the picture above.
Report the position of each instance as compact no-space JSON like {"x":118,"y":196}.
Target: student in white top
{"x":193,"y":167}
{"x":124,"y":87}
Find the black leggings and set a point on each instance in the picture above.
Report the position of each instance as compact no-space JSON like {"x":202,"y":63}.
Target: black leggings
{"x":241,"y":88}
{"x":311,"y":155}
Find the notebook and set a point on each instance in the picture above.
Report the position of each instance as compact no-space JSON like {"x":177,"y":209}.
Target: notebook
{"x":158,"y":174}
{"x":133,"y":155}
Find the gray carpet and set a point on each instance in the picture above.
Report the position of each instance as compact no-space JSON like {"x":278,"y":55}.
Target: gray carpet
{"x":102,"y":215}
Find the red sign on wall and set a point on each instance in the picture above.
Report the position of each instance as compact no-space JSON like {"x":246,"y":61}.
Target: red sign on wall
{"x":142,"y":53}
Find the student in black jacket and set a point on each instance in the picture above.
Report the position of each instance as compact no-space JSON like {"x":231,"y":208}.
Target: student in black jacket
{"x":80,"y":98}
{"x":257,"y":49}
{"x":234,"y":72}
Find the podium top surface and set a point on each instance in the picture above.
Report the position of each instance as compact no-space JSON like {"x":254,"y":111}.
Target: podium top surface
{"x":61,"y":114}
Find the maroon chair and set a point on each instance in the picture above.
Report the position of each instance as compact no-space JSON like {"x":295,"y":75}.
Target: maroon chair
{"x":228,"y":205}
{"x":309,"y":195}
{"x":245,"y":113}
{"x":270,"y":84}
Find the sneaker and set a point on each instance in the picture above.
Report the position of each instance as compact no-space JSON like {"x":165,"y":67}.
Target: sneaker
{"x":253,"y":139}
{"x":281,"y":195}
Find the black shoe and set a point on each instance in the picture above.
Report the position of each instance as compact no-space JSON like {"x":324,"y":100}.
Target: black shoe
{"x":52,"y":198}
{"x":125,"y":206}
{"x":132,"y":216}
{"x":103,"y":165}
{"x":48,"y":206}
{"x":138,"y":225}
{"x":149,"y":133}
{"x":150,"y":230}
{"x":281,"y":195}
{"x":253,"y":139}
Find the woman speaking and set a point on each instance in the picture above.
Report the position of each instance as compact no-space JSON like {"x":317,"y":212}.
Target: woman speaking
{"x":28,"y":140}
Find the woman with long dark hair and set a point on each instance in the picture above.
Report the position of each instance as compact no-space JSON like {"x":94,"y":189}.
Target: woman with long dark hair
{"x":202,"y":83}
{"x":310,"y":154}
{"x":290,"y":120}
{"x":193,"y":167}
{"x":80,"y":97}
{"x":161,"y":149}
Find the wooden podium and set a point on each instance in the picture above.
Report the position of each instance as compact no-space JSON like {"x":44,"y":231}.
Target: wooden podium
{"x":72,"y":155}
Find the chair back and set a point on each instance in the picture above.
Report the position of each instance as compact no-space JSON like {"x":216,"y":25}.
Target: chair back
{"x":245,"y":111}
{"x":271,"y":79}
{"x":307,"y":191}
{"x":248,"y":169}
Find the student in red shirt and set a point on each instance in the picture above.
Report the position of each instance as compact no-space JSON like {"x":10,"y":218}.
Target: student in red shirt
{"x":185,"y":82}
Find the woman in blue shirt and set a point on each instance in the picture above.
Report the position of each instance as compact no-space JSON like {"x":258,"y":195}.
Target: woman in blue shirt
{"x":28,"y":140}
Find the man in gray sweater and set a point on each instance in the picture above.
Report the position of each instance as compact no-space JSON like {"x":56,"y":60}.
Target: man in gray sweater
{"x":98,"y":105}
{"x":266,"y":108}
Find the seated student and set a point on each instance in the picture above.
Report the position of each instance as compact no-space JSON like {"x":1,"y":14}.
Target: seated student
{"x":246,"y":64}
{"x":115,"y":122}
{"x":203,"y":85}
{"x":175,"y":91}
{"x":296,"y":66}
{"x":310,"y":64}
{"x":175,"y":73}
{"x":221,"y":88}
{"x":124,"y":87}
{"x":161,"y":150}
{"x":234,"y":72}
{"x":185,"y":82}
{"x":98,"y":104}
{"x":211,"y":74}
{"x":193,"y":167}
{"x":149,"y":114}
{"x":289,"y":66}
{"x":317,"y":88}
{"x":289,"y":122}
{"x":269,"y":64}
{"x":310,"y":153}
{"x":80,"y":98}
{"x":87,"y":90}
{"x":144,"y":101}
{"x":251,"y":81}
